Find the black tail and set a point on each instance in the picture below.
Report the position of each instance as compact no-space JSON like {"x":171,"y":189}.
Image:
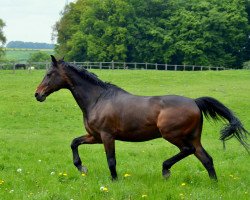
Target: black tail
{"x":216,"y":110}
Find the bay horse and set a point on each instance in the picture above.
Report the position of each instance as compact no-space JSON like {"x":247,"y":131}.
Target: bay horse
{"x":20,"y":66}
{"x":111,"y":113}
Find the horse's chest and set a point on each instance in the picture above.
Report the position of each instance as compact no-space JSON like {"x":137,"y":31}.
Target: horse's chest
{"x":91,"y":129}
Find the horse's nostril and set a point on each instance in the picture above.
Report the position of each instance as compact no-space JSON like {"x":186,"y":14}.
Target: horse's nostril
{"x":36,"y":94}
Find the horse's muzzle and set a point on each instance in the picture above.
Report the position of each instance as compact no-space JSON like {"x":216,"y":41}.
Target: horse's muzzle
{"x":40,"y":97}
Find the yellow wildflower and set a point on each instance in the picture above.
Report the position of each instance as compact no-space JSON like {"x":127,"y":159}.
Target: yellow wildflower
{"x":183,"y":184}
{"x":104,"y":189}
{"x":83,"y":174}
{"x":65,"y":174}
{"x":127,"y":175}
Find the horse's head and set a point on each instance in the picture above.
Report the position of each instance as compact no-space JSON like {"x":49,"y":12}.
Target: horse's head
{"x":54,"y":80}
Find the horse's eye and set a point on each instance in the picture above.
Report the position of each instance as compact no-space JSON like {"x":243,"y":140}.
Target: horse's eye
{"x":49,"y":75}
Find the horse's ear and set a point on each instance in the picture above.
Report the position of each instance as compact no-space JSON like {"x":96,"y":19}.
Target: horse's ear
{"x":54,"y":61}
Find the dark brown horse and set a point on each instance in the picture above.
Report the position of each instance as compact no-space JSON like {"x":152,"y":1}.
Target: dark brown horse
{"x":20,"y":66}
{"x":110,"y":114}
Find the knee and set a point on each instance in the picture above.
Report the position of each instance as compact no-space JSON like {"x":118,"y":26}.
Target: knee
{"x":209,"y":159}
{"x":74,"y":144}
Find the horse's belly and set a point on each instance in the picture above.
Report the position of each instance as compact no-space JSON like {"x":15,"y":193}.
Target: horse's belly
{"x":138,"y":135}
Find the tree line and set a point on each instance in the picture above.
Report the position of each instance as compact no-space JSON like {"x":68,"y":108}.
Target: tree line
{"x":190,"y":32}
{"x":29,"y":45}
{"x":204,"y":32}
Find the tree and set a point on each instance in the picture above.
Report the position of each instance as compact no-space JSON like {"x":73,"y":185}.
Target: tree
{"x":246,"y":49}
{"x":93,"y":30}
{"x":39,"y":56}
{"x":66,"y":27}
{"x":208,"y":32}
{"x":111,"y":30}
{"x":2,"y":37}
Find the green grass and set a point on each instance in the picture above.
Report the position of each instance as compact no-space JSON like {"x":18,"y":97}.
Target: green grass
{"x":22,"y":54}
{"x":35,"y":137}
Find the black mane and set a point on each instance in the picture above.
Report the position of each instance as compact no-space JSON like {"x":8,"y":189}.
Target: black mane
{"x":90,"y":76}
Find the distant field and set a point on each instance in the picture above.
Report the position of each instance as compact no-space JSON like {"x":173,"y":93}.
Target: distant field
{"x":35,"y":154}
{"x":23,"y":54}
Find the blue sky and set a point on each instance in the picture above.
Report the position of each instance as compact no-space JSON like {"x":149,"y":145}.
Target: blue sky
{"x":30,"y":20}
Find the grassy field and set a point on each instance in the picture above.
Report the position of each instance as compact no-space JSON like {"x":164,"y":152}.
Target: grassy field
{"x":23,"y":54}
{"x":35,"y":154}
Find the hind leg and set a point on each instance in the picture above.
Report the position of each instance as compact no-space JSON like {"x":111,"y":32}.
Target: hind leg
{"x":207,"y":161}
{"x":167,"y":164}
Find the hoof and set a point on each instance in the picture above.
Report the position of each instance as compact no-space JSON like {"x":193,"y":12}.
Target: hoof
{"x":166,"y":173}
{"x":82,"y":169}
{"x":214,"y":178}
{"x":114,"y":178}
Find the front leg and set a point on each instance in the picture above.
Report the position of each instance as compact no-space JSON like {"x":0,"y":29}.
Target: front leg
{"x":109,"y":145}
{"x":86,"y":139}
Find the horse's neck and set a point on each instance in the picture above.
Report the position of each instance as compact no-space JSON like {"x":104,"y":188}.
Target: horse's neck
{"x":85,"y":93}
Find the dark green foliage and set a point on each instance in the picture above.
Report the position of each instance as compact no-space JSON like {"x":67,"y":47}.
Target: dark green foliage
{"x":39,"y":56}
{"x":247,"y":45}
{"x":2,"y":37}
{"x":207,"y":32}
